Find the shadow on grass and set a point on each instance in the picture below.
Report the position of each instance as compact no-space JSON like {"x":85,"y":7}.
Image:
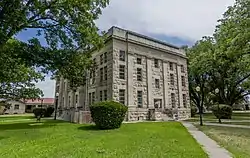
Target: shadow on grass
{"x":89,"y":128}
{"x":29,"y":125}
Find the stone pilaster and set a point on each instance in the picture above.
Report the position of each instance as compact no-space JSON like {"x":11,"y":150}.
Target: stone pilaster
{"x":130,"y":65}
{"x":149,"y":83}
{"x":166,"y":85}
{"x":178,"y":72}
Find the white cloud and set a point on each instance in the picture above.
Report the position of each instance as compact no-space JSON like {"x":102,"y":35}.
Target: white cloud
{"x":187,"y":19}
{"x":48,"y":87}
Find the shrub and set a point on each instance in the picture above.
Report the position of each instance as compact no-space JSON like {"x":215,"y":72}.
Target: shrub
{"x":39,"y":112}
{"x":193,"y":111}
{"x":108,"y":114}
{"x":48,"y":112}
{"x":222,"y":111}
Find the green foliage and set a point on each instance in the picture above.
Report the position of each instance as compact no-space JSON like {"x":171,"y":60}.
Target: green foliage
{"x":39,"y":112}
{"x":108,"y":114}
{"x":222,"y":111}
{"x":48,"y":112}
{"x":193,"y":111}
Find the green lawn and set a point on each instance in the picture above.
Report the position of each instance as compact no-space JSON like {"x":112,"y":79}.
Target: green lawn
{"x":60,"y":139}
{"x":234,"y":123}
{"x":236,"y":140}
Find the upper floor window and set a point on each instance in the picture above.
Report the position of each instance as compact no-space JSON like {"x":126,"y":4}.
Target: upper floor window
{"x":100,"y":95}
{"x":122,"y":96}
{"x":93,"y":77}
{"x":90,"y":99}
{"x":122,"y":71}
{"x":105,"y":57}
{"x":16,"y":107}
{"x":105,"y":95}
{"x":122,"y":55}
{"x":182,"y":69}
{"x":184,"y":97}
{"x":156,"y":62}
{"x":93,"y":97}
{"x":172,"y":79}
{"x":76,"y":99}
{"x":139,"y":99}
{"x":173,"y":100}
{"x":101,"y":74}
{"x":157,"y":83}
{"x":101,"y":59}
{"x":138,"y":61}
{"x":139,"y":74}
{"x":183,"y":83}
{"x":105,"y":73}
{"x":171,"y":66}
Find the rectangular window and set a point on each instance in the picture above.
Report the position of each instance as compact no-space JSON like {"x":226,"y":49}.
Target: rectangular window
{"x":156,"y":61}
{"x":172,"y":79}
{"x":93,"y":97}
{"x":138,"y":61}
{"x":158,"y":103}
{"x":93,"y":77}
{"x":139,"y":74}
{"x":101,"y":74}
{"x":139,"y":99}
{"x":122,"y":96}
{"x":105,"y":73}
{"x":105,"y":95}
{"x":122,"y":55}
{"x":182,"y":69}
{"x":183,"y":83}
{"x":16,"y":107}
{"x":157,"y":83}
{"x":69,"y":101}
{"x":122,"y":71}
{"x":173,"y":100}
{"x":90,"y":99}
{"x":105,"y":57}
{"x":171,"y":66}
{"x":76,"y":101}
{"x":101,"y":59}
{"x":184,"y":97}
{"x":94,"y":61}
{"x":100,"y":95}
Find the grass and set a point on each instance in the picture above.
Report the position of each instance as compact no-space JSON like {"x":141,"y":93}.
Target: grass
{"x":60,"y":139}
{"x":234,"y":123}
{"x":236,"y":140}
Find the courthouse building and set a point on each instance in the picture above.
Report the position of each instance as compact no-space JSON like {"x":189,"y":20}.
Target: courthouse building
{"x":142,"y":73}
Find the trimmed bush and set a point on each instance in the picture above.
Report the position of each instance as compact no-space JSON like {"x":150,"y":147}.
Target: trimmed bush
{"x":49,"y":111}
{"x":193,"y":111}
{"x":108,"y":114}
{"x":39,"y":112}
{"x":222,"y":111}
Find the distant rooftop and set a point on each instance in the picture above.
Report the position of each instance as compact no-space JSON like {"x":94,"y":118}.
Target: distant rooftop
{"x":39,"y":101}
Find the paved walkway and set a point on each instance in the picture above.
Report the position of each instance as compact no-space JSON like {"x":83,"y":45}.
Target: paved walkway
{"x":210,"y":146}
{"x":225,"y":125}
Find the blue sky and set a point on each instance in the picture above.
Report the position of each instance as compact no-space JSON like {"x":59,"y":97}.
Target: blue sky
{"x":176,"y":22}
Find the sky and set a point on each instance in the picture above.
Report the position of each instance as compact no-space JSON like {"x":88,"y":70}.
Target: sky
{"x":178,"y":22}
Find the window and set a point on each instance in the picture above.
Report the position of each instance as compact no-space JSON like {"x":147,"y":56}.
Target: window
{"x":76,"y":101}
{"x":69,"y":101}
{"x":157,"y":103}
{"x":105,"y":73}
{"x":63,"y":101}
{"x":122,"y":96}
{"x":157,"y":83}
{"x":173,"y":100}
{"x":184,"y":97}
{"x":171,"y":66}
{"x":105,"y":95}
{"x":156,"y":61}
{"x":94,"y":61}
{"x":93,"y":97}
{"x":139,"y":74}
{"x":16,"y":107}
{"x":122,"y":55}
{"x":139,"y":99}
{"x":101,"y":59}
{"x":122,"y":71}
{"x":90,"y":98}
{"x":93,"y":77}
{"x":101,"y":74}
{"x":138,"y":61}
{"x":182,"y":69}
{"x":100,"y":95}
{"x":183,"y":81}
{"x":105,"y":57}
{"x":172,"y":79}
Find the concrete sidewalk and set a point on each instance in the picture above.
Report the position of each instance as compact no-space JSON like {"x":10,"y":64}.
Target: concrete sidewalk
{"x":209,"y":146}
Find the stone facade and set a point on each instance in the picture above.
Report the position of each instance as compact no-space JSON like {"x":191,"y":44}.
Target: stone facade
{"x":141,"y":72}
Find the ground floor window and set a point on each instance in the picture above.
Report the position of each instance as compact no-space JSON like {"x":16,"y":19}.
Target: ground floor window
{"x":157,"y":103}
{"x":122,"y":96}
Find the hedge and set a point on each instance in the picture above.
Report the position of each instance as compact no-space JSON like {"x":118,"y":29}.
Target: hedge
{"x":108,"y":114}
{"x":222,"y":111}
